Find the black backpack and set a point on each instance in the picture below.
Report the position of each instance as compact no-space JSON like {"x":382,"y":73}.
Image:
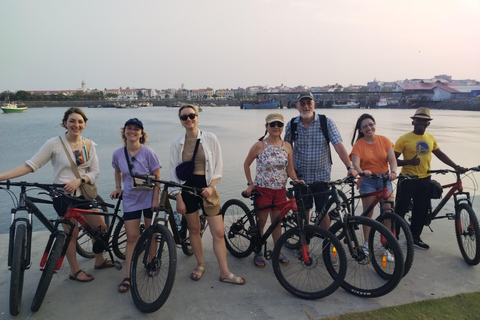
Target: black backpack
{"x":323,"y":125}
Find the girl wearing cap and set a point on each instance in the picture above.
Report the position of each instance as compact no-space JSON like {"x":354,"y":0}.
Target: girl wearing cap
{"x":372,"y":153}
{"x":207,"y":173}
{"x":82,"y":152}
{"x":274,"y":160}
{"x":141,"y":160}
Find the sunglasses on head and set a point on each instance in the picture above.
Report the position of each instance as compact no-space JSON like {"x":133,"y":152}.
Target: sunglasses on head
{"x":78,"y":157}
{"x":276,"y":123}
{"x":186,"y":116}
{"x":132,"y":159}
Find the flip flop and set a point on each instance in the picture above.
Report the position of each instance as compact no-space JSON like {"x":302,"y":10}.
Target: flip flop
{"x":197,"y":275}
{"x":105,"y":264}
{"x":283,"y":260}
{"x":74,"y":276}
{"x":125,"y":284}
{"x":233,"y":279}
{"x":258,"y":261}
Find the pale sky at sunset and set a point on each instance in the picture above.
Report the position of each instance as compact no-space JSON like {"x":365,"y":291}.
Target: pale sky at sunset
{"x":53,"y":45}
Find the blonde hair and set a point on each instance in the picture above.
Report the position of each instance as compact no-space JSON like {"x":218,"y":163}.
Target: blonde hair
{"x":187,"y":106}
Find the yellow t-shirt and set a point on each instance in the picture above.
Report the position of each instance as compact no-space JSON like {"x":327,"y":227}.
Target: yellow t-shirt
{"x":412,"y":144}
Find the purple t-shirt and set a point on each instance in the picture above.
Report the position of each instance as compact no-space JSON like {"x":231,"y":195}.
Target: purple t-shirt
{"x":146,"y":161}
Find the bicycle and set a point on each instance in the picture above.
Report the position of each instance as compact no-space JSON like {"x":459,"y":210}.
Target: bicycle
{"x":304,"y":276}
{"x":20,"y":235}
{"x":387,"y":216}
{"x":370,"y":273}
{"x":151,"y":282}
{"x":467,"y":229}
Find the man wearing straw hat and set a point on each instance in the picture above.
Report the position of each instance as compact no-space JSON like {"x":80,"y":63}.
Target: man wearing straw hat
{"x":417,"y":148}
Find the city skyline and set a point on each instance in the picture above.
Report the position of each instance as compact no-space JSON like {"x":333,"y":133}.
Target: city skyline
{"x":50,"y":45}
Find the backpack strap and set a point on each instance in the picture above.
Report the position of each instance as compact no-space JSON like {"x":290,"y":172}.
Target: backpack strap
{"x":323,"y":126}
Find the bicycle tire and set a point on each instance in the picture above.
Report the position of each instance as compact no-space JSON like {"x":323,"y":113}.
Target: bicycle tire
{"x":150,"y":292}
{"x":363,"y":279}
{"x":320,"y":277}
{"x":48,"y":271}
{"x":467,"y":233}
{"x":185,"y":234}
{"x":84,"y":240}
{"x":119,"y":239}
{"x":238,"y":221}
{"x":405,"y":238}
{"x":18,"y":269}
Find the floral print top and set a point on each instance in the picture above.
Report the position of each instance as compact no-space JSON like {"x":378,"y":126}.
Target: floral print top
{"x":272,"y":167}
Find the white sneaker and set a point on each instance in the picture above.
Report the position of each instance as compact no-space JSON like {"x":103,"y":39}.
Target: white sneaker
{"x":388,"y":255}
{"x":365,"y":248}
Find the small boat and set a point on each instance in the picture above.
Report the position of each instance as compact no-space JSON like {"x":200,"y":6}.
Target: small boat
{"x":12,"y":107}
{"x":348,"y":104}
{"x":260,"y":104}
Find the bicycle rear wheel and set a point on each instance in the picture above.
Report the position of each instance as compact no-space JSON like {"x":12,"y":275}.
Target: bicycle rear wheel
{"x":238,"y":221}
{"x":369,"y":273}
{"x":185,"y":234}
{"x":119,"y":239}
{"x":48,"y":271}
{"x":468,"y":233}
{"x":405,"y":238}
{"x":319,"y":277}
{"x":153,"y":269}
{"x":18,"y":269}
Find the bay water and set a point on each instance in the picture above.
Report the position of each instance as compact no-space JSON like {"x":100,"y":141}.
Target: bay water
{"x":21,"y":135}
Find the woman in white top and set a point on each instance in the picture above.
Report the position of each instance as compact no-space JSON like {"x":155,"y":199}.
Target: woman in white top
{"x":82,"y":151}
{"x":207,"y":173}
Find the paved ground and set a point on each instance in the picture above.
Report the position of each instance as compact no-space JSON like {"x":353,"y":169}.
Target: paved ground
{"x":436,"y":273}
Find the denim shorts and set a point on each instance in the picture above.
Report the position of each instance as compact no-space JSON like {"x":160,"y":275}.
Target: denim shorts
{"x":370,"y":185}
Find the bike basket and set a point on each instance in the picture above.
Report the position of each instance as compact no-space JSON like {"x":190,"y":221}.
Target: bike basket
{"x":435,"y":189}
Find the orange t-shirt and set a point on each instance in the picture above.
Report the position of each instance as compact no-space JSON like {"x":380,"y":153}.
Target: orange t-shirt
{"x":374,"y":156}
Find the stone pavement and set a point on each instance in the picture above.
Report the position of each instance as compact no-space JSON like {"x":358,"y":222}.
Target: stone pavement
{"x":436,"y":273}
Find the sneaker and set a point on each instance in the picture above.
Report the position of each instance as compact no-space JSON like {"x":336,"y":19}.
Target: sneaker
{"x":389,"y":255}
{"x":420,"y":244}
{"x":333,"y":259}
{"x":365,"y":248}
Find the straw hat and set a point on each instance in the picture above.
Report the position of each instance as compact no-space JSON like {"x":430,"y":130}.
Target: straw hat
{"x":422,"y":113}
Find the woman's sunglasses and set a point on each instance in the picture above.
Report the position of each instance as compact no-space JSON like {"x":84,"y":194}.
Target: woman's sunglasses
{"x":276,"y":123}
{"x":185,"y":116}
{"x":132,"y":159}
{"x":78,"y":157}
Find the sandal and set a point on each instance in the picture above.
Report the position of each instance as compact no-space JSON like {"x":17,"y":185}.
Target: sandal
{"x":283,"y":260}
{"x":233,"y":279}
{"x":74,"y":276}
{"x":258,"y":260}
{"x":125,"y":284}
{"x":197,"y":273}
{"x":105,"y":264}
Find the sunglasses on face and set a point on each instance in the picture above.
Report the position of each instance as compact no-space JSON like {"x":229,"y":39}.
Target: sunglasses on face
{"x":276,"y":123}
{"x":186,"y":116}
{"x":371,"y":125}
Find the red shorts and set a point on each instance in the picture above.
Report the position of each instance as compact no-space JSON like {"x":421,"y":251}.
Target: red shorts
{"x":270,"y":196}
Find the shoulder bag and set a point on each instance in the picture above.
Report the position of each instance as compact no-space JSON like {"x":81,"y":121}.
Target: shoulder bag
{"x":137,"y":183}
{"x":185,"y":169}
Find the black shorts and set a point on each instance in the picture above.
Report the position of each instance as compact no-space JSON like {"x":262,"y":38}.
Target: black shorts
{"x":193,"y":203}
{"x":61,"y":205}
{"x":317,"y":191}
{"x":134,"y":215}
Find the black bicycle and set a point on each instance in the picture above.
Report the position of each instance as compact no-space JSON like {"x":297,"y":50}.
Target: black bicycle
{"x":20,"y":239}
{"x":154,"y":258}
{"x":310,"y":273}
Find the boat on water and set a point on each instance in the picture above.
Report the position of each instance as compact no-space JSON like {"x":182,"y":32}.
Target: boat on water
{"x":384,"y":102}
{"x":346,"y":104}
{"x":12,"y":107}
{"x":260,"y":104}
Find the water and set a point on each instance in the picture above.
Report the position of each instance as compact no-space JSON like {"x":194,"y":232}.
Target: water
{"x":21,"y":135}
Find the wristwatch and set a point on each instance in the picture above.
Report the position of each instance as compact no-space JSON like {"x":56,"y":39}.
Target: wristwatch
{"x":83,"y":180}
{"x":350,"y":167}
{"x":249,"y":183}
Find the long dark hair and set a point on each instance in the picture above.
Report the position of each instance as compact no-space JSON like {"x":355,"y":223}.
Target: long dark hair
{"x":357,"y":127}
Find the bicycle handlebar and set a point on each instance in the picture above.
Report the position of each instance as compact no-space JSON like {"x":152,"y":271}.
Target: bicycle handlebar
{"x":44,"y":186}
{"x":150,"y":181}
{"x":445,"y":171}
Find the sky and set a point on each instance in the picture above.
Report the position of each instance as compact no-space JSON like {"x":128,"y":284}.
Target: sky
{"x":223,"y":44}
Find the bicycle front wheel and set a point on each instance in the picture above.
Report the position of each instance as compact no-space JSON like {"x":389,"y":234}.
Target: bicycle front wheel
{"x":468,"y":233}
{"x":371,"y":271}
{"x":237,"y":222}
{"x":153,"y":269}
{"x":400,"y":228}
{"x":119,"y":239}
{"x":18,"y":269}
{"x":48,"y":271}
{"x":318,"y":277}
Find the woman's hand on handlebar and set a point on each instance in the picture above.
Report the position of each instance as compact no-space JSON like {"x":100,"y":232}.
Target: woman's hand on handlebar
{"x":116,"y":194}
{"x":71,"y":186}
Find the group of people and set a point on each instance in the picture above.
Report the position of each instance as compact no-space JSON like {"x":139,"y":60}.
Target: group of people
{"x":303,"y":155}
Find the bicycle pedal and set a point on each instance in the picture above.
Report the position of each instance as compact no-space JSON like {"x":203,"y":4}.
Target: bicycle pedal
{"x":268,"y":255}
{"x":118,"y":265}
{"x":450,"y":216}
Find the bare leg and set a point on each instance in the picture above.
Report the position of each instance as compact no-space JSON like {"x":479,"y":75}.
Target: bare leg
{"x":96,"y":221}
{"x":193,"y":222}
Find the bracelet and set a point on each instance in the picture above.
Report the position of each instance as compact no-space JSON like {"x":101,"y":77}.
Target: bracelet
{"x":118,"y":186}
{"x":393,"y":172}
{"x":350,"y":167}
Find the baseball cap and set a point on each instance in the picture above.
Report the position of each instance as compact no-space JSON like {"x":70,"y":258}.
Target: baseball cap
{"x":134,"y":121}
